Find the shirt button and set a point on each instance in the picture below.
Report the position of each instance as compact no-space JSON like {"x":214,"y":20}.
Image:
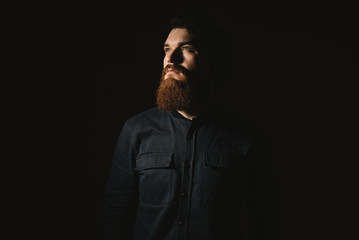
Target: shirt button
{"x":183,"y":195}
{"x":180,"y":222}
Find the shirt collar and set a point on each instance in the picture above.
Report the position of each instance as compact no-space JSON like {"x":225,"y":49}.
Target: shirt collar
{"x":179,"y":116}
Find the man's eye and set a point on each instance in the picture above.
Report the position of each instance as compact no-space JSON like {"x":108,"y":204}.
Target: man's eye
{"x":186,"y":49}
{"x":167,"y":49}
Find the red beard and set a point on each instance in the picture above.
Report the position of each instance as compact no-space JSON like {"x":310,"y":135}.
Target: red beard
{"x":175,"y":94}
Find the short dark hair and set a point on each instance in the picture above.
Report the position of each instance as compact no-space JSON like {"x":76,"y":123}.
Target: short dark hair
{"x":209,"y":35}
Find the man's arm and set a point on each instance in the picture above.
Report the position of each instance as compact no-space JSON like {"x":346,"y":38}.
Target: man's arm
{"x":261,"y":194}
{"x":120,"y":201}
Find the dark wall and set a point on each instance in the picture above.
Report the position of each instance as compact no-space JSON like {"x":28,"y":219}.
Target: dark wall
{"x":293,"y":69}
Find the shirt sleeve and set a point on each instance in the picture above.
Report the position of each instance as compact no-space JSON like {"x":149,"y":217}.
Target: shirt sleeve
{"x":261,"y":194}
{"x":120,"y":200}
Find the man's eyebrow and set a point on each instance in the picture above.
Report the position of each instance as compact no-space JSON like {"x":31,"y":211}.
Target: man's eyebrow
{"x":179,"y":44}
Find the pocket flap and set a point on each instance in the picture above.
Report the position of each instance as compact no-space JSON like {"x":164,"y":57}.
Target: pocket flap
{"x":153,"y":160}
{"x":218,"y":161}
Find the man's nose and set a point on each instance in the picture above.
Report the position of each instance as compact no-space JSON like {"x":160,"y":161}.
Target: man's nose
{"x":175,"y":57}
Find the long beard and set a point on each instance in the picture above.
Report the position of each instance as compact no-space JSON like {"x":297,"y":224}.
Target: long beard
{"x":181,"y":94}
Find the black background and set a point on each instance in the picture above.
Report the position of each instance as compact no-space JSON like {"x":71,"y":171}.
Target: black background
{"x":293,"y":70}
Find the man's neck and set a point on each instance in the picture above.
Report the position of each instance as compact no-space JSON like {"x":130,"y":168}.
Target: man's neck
{"x":186,"y":114}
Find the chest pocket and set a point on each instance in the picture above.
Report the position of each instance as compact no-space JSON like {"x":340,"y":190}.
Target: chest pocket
{"x":221,"y":174}
{"x":156,"y":177}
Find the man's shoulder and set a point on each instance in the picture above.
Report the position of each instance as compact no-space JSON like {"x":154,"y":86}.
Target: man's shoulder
{"x":151,"y":114}
{"x":230,"y":117}
{"x":235,"y":121}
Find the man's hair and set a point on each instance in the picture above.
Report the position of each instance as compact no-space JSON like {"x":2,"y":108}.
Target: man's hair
{"x":209,"y":36}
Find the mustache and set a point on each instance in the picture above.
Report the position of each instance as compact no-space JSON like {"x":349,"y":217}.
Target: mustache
{"x":177,"y":68}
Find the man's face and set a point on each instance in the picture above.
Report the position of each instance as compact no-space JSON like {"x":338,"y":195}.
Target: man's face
{"x":179,"y":51}
{"x":181,"y":87}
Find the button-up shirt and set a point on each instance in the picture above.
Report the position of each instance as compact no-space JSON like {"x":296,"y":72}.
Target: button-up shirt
{"x":175,"y":178}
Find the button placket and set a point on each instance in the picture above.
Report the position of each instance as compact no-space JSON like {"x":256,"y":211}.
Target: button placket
{"x":180,"y":221}
{"x":186,"y":182}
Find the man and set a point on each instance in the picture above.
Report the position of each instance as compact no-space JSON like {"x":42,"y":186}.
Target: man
{"x":186,"y":168}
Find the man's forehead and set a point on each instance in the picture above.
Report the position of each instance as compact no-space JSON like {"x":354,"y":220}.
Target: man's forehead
{"x":178,"y":35}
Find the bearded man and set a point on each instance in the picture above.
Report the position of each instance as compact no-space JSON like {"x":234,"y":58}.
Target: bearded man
{"x":185,"y":168}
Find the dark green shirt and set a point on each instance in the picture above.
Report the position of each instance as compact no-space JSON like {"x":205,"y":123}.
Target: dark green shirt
{"x":174,"y":178}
